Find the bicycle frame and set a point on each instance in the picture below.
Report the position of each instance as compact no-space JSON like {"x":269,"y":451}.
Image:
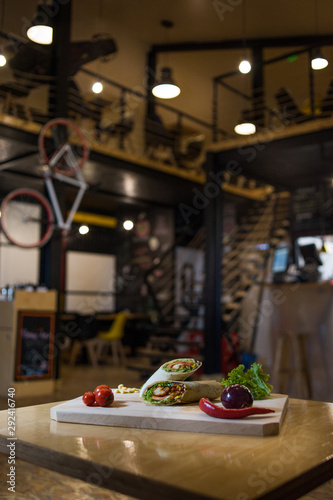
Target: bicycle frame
{"x":79,"y":182}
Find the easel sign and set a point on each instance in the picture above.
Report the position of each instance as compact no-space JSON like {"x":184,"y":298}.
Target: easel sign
{"x":35,"y":345}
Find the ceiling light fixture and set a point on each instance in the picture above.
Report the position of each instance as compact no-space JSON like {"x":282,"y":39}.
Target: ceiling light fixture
{"x":245,"y":65}
{"x":245,"y":128}
{"x":165,"y":87}
{"x":41,"y":30}
{"x":84,"y":229}
{"x":128,"y":225}
{"x":97,"y":87}
{"x":317,"y":60}
{"x":3,"y":59}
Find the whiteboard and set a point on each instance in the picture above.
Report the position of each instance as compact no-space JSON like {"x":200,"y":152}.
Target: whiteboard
{"x":92,"y":273}
{"x":18,"y":266}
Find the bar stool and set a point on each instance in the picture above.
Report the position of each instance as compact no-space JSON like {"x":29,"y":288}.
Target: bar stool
{"x":291,"y":359}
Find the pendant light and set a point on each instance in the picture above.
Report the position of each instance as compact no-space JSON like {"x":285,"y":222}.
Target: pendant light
{"x":245,"y":128}
{"x":3,"y":60}
{"x":245,"y":65}
{"x":246,"y":125}
{"x":97,"y":86}
{"x":41,"y":30}
{"x":165,"y":87}
{"x":318,"y":61}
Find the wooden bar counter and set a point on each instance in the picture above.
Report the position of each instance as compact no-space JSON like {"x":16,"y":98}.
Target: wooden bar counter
{"x":150,"y":464}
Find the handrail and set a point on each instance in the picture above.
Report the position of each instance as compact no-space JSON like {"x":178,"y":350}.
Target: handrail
{"x":141,"y":95}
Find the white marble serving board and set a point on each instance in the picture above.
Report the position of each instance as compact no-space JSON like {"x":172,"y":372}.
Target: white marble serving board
{"x":128,"y":411}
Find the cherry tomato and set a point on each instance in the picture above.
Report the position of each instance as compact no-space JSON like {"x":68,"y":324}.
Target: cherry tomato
{"x":104,"y":397}
{"x":99,"y":387}
{"x":88,"y":398}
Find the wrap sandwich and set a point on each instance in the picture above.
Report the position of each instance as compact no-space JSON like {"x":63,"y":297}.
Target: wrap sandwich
{"x":176,"y":369}
{"x":171,"y":392}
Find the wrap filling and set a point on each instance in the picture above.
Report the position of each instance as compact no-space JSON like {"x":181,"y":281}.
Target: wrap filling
{"x":181,"y":365}
{"x":164,"y":393}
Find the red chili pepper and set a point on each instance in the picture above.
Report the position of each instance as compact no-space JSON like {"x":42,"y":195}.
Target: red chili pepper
{"x":219,"y":412}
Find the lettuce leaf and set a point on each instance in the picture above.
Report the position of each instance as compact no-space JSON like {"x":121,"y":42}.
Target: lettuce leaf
{"x":255,"y":379}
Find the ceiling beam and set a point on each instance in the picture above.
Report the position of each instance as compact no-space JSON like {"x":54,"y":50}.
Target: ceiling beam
{"x":292,"y":41}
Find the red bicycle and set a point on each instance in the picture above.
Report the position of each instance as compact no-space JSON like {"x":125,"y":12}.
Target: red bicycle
{"x":28,"y":218}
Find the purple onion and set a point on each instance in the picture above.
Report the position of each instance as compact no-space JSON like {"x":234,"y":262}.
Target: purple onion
{"x":236,"y":396}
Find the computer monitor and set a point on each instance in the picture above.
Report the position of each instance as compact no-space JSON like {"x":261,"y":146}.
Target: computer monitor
{"x":280,"y":260}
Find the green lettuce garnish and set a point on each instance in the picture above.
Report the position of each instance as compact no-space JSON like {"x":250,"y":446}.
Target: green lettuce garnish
{"x":255,"y":379}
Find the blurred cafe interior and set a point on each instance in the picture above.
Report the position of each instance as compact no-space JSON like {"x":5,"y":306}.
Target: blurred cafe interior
{"x":169,"y":230}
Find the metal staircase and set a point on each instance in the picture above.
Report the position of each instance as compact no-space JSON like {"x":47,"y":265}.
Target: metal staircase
{"x":246,"y":250}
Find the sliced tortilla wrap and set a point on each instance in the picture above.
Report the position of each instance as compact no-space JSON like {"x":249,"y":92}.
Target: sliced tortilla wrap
{"x":171,"y":392}
{"x":176,"y":369}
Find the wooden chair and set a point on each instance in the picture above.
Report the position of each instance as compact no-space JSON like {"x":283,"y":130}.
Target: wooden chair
{"x":112,"y":338}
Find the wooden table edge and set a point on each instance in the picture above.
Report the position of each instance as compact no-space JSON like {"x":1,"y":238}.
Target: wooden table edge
{"x":97,"y":474}
{"x":304,"y":483}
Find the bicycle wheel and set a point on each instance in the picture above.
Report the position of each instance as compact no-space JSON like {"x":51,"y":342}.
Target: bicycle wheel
{"x":64,"y":134}
{"x":27,"y":218}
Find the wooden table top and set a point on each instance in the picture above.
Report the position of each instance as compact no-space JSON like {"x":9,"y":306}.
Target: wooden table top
{"x":152,"y":464}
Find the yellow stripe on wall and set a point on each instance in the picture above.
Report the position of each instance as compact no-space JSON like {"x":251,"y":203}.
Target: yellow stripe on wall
{"x":95,"y":219}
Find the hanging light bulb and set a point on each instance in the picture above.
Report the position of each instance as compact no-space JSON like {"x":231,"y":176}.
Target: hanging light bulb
{"x":97,"y":87}
{"x":41,"y":30}
{"x":128,"y":225}
{"x":165,"y":87}
{"x":3,"y":60}
{"x":83,"y":229}
{"x":245,"y":66}
{"x":317,"y":60}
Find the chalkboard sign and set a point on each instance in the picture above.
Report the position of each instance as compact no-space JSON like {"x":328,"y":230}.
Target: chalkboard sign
{"x":35,"y":344}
